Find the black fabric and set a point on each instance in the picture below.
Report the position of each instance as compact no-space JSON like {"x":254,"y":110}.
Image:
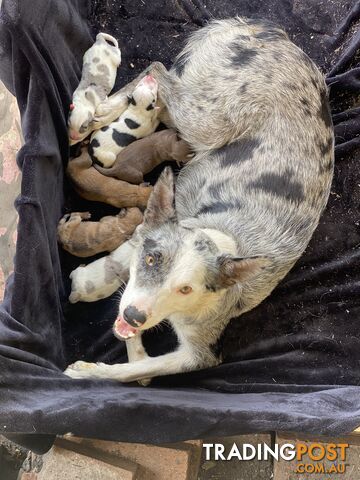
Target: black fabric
{"x":290,"y":364}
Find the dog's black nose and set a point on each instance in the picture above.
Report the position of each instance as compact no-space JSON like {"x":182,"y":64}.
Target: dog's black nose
{"x":133,"y":317}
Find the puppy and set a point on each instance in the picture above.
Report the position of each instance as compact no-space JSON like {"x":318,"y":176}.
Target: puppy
{"x":101,"y":278}
{"x":139,"y":120}
{"x":85,"y":239}
{"x":91,"y":185}
{"x":142,"y":156}
{"x":99,"y":70}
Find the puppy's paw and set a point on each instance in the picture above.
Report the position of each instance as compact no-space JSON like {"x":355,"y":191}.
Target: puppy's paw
{"x":74,"y":297}
{"x":85,"y":215}
{"x":103,"y":109}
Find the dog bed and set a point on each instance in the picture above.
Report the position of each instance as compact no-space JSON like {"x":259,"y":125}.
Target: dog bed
{"x":293,"y":363}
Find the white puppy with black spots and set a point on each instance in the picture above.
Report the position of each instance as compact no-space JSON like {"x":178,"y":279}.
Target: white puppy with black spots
{"x":100,"y":64}
{"x":139,"y":120}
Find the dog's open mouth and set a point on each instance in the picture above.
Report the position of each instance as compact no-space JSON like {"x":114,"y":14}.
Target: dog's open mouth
{"x":123,"y":330}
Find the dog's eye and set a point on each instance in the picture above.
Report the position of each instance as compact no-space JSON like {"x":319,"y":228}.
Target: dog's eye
{"x":149,"y":260}
{"x":185,"y":290}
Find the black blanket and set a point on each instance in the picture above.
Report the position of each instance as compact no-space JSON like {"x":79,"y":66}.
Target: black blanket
{"x":293,"y":363}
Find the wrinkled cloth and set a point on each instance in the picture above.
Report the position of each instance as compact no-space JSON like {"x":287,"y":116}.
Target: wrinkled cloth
{"x":291,"y":364}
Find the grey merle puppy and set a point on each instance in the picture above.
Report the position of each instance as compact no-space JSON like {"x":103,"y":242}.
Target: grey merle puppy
{"x":255,"y":110}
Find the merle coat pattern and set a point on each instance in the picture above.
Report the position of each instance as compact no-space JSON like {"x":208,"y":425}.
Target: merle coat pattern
{"x":254,"y":109}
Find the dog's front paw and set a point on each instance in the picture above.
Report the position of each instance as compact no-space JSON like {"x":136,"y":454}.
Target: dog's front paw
{"x":81,"y":369}
{"x":123,"y":372}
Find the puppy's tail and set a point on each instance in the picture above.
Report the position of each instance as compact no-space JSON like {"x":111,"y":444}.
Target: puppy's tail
{"x":107,"y":38}
{"x":108,"y":172}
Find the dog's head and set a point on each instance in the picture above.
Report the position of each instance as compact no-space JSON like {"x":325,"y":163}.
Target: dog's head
{"x":175,"y":272}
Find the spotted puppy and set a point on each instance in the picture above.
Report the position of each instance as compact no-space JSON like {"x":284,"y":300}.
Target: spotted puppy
{"x":85,"y":239}
{"x":101,"y":278}
{"x":139,"y":120}
{"x":142,"y":156}
{"x":217,"y":246}
{"x":99,"y":70}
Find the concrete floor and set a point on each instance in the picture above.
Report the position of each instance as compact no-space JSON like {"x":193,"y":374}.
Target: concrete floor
{"x":84,"y":459}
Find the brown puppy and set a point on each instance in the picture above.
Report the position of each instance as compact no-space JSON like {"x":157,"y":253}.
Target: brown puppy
{"x":142,"y":156}
{"x":91,"y":185}
{"x":85,"y":239}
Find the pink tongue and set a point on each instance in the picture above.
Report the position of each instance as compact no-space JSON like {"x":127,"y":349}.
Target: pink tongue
{"x":123,"y":329}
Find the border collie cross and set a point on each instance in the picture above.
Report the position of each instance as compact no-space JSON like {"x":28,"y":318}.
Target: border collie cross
{"x":254,"y":109}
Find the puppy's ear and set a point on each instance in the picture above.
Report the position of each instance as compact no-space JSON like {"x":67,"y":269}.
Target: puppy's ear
{"x":161,"y":204}
{"x":238,"y":270}
{"x":89,"y":95}
{"x":131,"y":99}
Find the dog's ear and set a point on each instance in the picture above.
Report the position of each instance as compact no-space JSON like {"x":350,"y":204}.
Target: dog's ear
{"x":233,"y":269}
{"x":161,"y":204}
